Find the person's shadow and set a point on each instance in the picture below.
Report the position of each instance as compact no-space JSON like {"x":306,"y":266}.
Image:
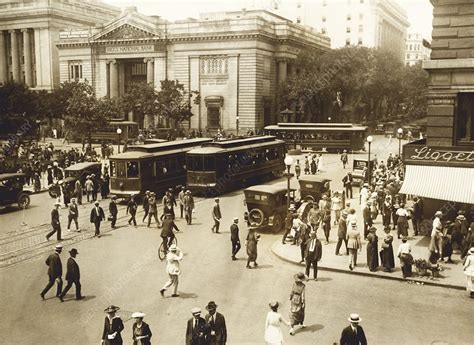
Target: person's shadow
{"x":311,"y":329}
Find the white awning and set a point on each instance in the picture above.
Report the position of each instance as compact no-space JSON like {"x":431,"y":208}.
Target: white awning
{"x":441,"y":183}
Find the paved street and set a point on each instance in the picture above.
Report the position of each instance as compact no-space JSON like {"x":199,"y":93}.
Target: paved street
{"x":122,"y":268}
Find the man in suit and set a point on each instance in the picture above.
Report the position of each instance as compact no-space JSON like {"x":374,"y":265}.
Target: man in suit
{"x":197,"y":331}
{"x":353,"y":334}
{"x":78,"y":191}
{"x":55,"y":271}
{"x":417,"y":215}
{"x":167,"y":234}
{"x":97,"y":216}
{"x":73,"y":215}
{"x":113,"y":211}
{"x":216,"y":215}
{"x":73,"y":276}
{"x":313,"y":254}
{"x":146,"y":205}
{"x":55,"y":222}
{"x":347,"y":181}
{"x":234,"y":238}
{"x":216,"y":323}
{"x":368,"y":222}
{"x":188,"y":206}
{"x":303,"y":238}
{"x":342,"y":233}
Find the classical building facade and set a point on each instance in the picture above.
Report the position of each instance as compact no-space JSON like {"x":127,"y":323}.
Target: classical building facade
{"x":235,"y":61}
{"x":371,"y":23}
{"x":29,"y":30}
{"x":440,"y":168}
{"x":417,"y":49}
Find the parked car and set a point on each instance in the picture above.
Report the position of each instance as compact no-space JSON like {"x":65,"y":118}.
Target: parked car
{"x":313,"y":187}
{"x":11,"y":190}
{"x":359,"y":170}
{"x":73,"y":173}
{"x":267,"y":205}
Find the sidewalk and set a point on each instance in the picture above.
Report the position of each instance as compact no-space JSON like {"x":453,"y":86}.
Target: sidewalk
{"x":451,"y":277}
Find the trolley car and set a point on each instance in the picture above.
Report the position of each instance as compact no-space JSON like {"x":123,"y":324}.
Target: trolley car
{"x":221,"y":165}
{"x":317,"y":136}
{"x":153,"y":167}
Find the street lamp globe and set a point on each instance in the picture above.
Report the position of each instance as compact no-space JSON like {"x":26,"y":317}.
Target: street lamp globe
{"x":119,"y":131}
{"x":288,"y":161}
{"x":370,"y":139}
{"x":400,"y":131}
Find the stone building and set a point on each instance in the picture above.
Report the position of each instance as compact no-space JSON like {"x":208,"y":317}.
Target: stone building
{"x":29,"y":30}
{"x":440,"y":168}
{"x":235,"y":61}
{"x":417,"y":49}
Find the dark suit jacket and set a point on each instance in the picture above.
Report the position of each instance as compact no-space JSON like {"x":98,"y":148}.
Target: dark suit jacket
{"x":97,"y":217}
{"x":317,"y":253}
{"x":72,"y":273}
{"x":168,"y":226}
{"x":348,"y":337}
{"x":193,"y":333}
{"x":366,"y":215}
{"x":342,"y":228}
{"x":54,"y":217}
{"x":116,"y":326}
{"x":417,"y":210}
{"x":234,"y":232}
{"x":145,"y":331}
{"x":113,"y":208}
{"x":55,"y":269}
{"x":219,"y":328}
{"x":216,"y":211}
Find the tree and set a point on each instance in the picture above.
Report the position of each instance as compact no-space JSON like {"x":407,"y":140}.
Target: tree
{"x":84,"y":113}
{"x":173,"y":102}
{"x":415,"y":85}
{"x":141,"y":100}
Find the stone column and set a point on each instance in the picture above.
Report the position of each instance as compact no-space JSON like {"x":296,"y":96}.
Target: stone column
{"x":28,"y":59}
{"x":114,"y":87}
{"x":3,"y":59}
{"x":15,"y":56}
{"x":282,"y":71}
{"x":150,"y":70}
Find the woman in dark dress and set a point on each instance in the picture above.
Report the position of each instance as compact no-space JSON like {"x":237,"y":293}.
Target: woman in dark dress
{"x":297,"y":300}
{"x":141,"y":332}
{"x":113,"y":326}
{"x":251,"y":243}
{"x":372,"y":250}
{"x":386,"y":254}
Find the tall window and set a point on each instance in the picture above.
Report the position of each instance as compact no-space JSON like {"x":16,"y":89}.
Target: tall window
{"x":360,"y":41}
{"x":361,"y":28}
{"x":324,"y":19}
{"x":348,"y":41}
{"x":348,"y":29}
{"x":211,"y":65}
{"x":349,"y":17}
{"x":323,"y":30}
{"x":325,"y":3}
{"x":465,"y":118}
{"x":298,"y":20}
{"x":213,"y":117}
{"x":361,"y":16}
{"x":75,"y":70}
{"x":298,"y":4}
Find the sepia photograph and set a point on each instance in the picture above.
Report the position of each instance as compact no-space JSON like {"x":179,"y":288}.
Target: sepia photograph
{"x":237,"y":172}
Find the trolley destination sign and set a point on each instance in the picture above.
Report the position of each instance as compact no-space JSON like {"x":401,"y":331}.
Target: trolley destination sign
{"x":421,"y":154}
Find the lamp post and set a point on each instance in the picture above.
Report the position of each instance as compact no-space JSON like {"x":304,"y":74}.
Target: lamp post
{"x":369,"y":166}
{"x":237,"y":125}
{"x":119,"y":132}
{"x":288,"y":163}
{"x":400,"y":136}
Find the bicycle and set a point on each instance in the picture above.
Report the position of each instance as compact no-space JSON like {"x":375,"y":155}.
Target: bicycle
{"x":161,"y":250}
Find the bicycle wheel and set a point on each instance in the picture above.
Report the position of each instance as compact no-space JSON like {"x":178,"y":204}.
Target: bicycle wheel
{"x":161,"y":252}
{"x":174,"y":241}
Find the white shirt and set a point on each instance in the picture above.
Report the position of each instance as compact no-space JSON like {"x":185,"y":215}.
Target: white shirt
{"x":436,"y":225}
{"x":404,"y":248}
{"x":312,"y":245}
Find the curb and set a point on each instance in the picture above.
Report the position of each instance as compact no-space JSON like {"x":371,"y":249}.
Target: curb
{"x":371,"y":275}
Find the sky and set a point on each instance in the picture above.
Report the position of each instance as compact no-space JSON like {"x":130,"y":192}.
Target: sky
{"x":419,"y":11}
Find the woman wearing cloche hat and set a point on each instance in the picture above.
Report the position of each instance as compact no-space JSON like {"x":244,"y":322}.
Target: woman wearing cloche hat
{"x":113,"y":326}
{"x":141,"y":330}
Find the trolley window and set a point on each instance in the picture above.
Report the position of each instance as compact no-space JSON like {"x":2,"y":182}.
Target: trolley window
{"x":113,"y":169}
{"x":121,"y":172}
{"x":209,"y":163}
{"x":132,"y":169}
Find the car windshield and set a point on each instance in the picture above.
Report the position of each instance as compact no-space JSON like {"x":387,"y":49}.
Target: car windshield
{"x":72,"y":173}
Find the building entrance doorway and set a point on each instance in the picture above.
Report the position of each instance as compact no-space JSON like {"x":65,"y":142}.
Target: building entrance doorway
{"x":134,"y":73}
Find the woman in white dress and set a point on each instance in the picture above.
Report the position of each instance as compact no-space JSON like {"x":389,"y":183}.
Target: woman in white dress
{"x":469,"y":272}
{"x":320,"y":162}
{"x":273,"y":333}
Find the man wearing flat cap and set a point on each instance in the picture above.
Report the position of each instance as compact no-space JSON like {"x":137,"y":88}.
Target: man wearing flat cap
{"x":216,"y":324}
{"x":197,"y":331}
{"x":72,"y":276}
{"x":234,"y":238}
{"x":97,"y":216}
{"x":55,"y":271}
{"x":353,"y":334}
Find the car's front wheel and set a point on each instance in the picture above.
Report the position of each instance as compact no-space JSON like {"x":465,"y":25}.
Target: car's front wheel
{"x":256,"y":217}
{"x":23,"y":200}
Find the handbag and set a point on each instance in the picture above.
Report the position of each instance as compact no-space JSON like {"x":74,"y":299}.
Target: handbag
{"x":110,"y":218}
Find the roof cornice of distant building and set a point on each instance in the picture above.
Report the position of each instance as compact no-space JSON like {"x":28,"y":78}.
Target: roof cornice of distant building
{"x":395,"y":9}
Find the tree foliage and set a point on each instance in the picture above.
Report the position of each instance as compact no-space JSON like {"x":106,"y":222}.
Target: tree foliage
{"x":354,"y":84}
{"x":141,"y":100}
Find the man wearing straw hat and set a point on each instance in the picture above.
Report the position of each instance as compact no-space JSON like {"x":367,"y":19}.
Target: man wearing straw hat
{"x":197,"y":331}
{"x":173,"y":258}
{"x":55,"y":222}
{"x":353,"y":334}
{"x":55,"y":271}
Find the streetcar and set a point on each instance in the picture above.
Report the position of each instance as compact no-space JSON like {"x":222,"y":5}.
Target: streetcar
{"x":154,"y":167}
{"x":332,"y":137}
{"x":109,"y":132}
{"x":222,"y":165}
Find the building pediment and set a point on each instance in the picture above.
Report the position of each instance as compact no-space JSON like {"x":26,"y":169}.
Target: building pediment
{"x":126,"y":32}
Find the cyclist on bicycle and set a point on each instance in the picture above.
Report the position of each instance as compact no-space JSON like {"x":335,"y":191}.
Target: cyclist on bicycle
{"x":167,"y":233}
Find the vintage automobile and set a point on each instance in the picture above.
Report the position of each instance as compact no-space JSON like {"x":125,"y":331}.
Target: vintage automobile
{"x":313,"y":187}
{"x":75,"y":172}
{"x":359,"y":170}
{"x":267,"y":205}
{"x":11,"y":190}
